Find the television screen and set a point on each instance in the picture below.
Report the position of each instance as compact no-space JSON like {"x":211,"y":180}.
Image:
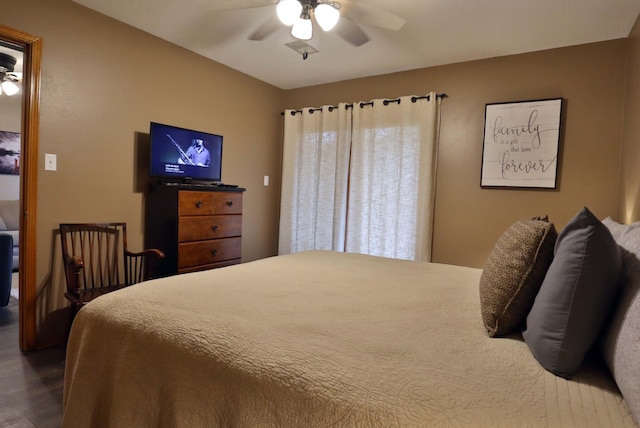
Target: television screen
{"x":179,"y":154}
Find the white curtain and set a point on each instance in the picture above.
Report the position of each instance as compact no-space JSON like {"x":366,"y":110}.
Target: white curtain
{"x":392,"y":177}
{"x":360,"y":179}
{"x":314,"y":179}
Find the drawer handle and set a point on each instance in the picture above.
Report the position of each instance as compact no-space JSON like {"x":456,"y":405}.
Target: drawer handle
{"x":198,"y":204}
{"x":214,"y":227}
{"x":214,"y":252}
{"x":230,"y":203}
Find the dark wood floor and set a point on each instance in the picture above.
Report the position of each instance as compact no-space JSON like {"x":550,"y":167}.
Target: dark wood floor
{"x":30,"y":383}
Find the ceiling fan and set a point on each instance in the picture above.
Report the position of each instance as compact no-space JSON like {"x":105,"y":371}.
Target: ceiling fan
{"x":346,"y":15}
{"x":8,"y":79}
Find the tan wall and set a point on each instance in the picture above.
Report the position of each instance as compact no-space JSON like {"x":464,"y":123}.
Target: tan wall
{"x":630,"y":165}
{"x":102,"y":83}
{"x":468,"y":219}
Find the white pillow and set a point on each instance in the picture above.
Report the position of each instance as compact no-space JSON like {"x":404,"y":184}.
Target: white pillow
{"x":621,"y":338}
{"x":615,"y":228}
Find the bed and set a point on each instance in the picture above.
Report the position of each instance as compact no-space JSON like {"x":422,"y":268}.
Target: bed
{"x":313,"y":339}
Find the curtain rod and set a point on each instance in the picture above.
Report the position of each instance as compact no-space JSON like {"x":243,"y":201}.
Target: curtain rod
{"x":370,"y":103}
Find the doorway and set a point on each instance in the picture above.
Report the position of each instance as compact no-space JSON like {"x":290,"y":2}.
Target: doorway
{"x":10,"y":123}
{"x":31,"y":47}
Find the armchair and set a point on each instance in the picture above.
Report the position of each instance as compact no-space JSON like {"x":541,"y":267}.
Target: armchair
{"x":6,"y":258}
{"x":97,"y":261}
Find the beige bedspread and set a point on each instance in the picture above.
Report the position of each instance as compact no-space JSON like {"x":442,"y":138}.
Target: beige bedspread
{"x":310,"y":340}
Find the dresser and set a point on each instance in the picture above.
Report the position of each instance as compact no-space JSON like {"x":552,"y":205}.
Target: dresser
{"x":197,"y":228}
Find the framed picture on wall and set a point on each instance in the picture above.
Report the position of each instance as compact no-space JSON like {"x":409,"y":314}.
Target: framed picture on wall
{"x":9,"y":153}
{"x":521,"y":141}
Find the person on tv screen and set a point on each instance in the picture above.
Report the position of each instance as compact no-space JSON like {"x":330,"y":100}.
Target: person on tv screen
{"x":197,"y":153}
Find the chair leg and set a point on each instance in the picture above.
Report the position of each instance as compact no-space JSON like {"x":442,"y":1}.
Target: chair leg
{"x":72,"y":315}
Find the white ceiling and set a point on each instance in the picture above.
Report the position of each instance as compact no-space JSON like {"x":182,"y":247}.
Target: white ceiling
{"x":436,"y":32}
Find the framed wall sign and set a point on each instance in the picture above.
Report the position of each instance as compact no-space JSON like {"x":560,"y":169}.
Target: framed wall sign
{"x":9,"y":153}
{"x":520,"y":147}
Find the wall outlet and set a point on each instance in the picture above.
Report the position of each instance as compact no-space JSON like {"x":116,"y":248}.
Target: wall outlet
{"x":50,"y":162}
{"x":266,"y":180}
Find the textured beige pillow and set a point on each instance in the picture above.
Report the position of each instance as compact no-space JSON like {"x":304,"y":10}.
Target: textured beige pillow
{"x":513,"y":274}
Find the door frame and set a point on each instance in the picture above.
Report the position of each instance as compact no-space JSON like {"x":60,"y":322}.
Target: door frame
{"x":32,"y":49}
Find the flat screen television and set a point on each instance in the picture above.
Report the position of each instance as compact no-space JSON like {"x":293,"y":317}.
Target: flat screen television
{"x":180,"y":155}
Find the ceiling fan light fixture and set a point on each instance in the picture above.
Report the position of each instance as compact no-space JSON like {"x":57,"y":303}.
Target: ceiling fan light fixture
{"x":288,"y":11}
{"x":302,"y":28}
{"x":9,"y":87}
{"x":327,"y":15}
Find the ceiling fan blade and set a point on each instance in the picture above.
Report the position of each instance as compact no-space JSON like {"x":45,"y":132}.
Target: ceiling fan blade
{"x":370,"y":15}
{"x":351,"y":32}
{"x":268,"y":27}
{"x":241,"y":4}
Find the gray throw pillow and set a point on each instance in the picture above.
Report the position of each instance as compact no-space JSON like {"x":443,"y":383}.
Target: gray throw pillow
{"x":513,"y":274}
{"x":576,"y":295}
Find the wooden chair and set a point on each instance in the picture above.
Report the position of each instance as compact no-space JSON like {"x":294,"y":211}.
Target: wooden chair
{"x":97,"y":261}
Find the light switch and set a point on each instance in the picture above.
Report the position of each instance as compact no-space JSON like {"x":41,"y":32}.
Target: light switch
{"x":50,"y":162}
{"x":266,"y":180}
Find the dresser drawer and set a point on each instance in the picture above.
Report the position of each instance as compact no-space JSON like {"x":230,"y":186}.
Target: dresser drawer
{"x":209,"y":203}
{"x":210,"y":266}
{"x":200,"y":228}
{"x":227,"y":203}
{"x":195,"y":203}
{"x":207,"y":252}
